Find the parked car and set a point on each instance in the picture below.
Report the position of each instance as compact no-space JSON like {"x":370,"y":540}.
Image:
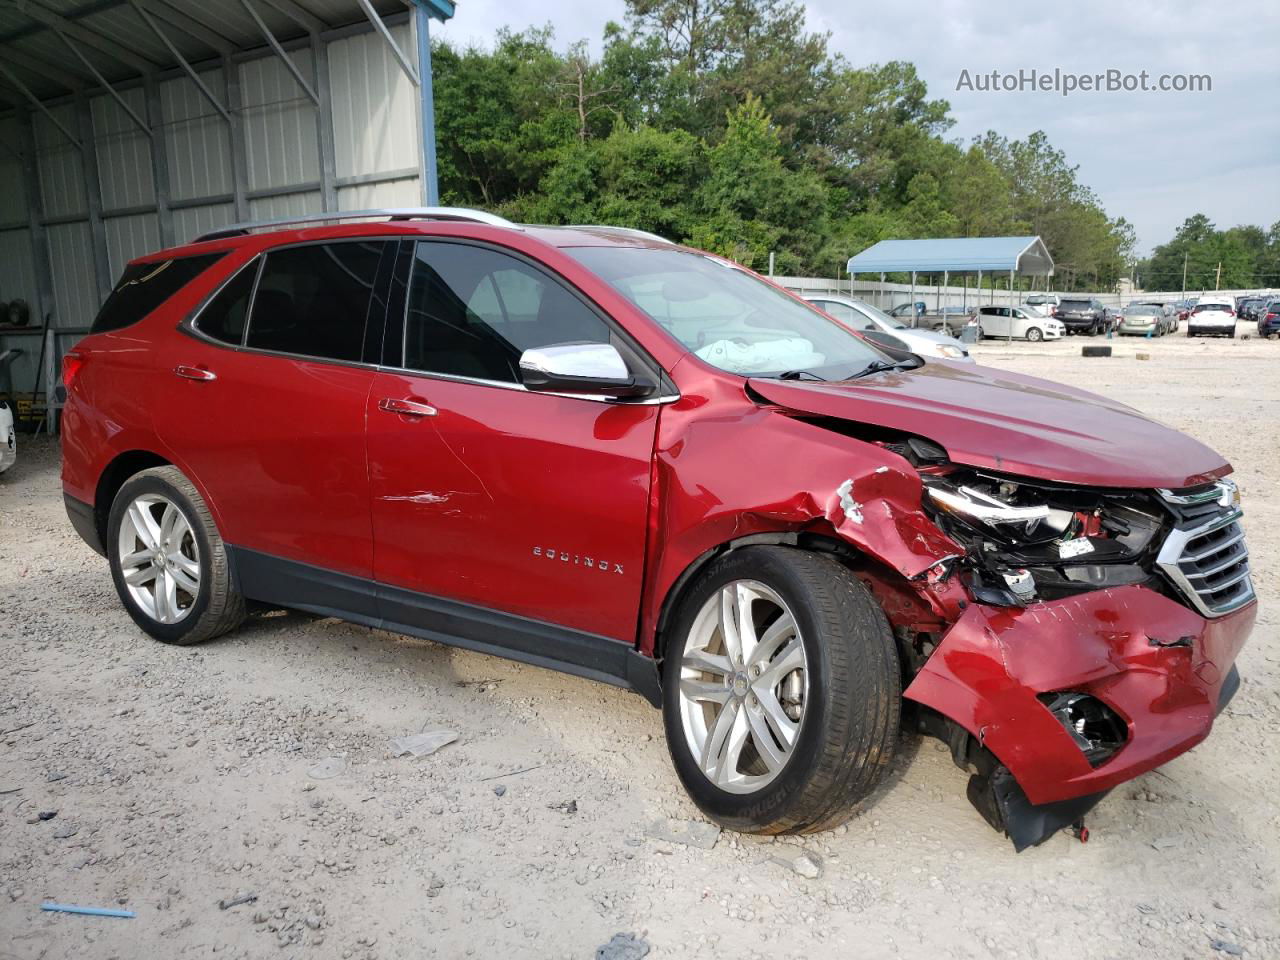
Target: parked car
{"x":1168,"y":319}
{"x":1269,"y":319}
{"x":1212,"y":315}
{"x":1049,"y":301}
{"x":590,"y":449}
{"x":878,"y":326}
{"x":1015,"y":323}
{"x":8,"y":438}
{"x":1250,"y":307}
{"x":922,"y":319}
{"x":1142,"y":319}
{"x":1081,"y":315}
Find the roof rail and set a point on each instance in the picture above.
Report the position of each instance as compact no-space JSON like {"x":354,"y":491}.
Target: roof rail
{"x":459,"y":214}
{"x":620,"y":231}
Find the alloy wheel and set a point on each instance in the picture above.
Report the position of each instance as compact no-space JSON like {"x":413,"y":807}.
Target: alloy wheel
{"x":159,"y":558}
{"x":744,"y":684}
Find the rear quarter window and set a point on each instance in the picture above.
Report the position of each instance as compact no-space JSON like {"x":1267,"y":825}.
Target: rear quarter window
{"x":144,"y":286}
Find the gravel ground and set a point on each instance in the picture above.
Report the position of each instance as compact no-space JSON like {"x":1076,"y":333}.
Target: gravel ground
{"x":180,"y":777}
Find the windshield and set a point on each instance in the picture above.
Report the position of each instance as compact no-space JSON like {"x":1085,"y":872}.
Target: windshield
{"x":1202,"y":307}
{"x":727,"y":316}
{"x":1143,"y":310}
{"x":1075,"y":305}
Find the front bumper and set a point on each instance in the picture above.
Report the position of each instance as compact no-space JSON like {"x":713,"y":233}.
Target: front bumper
{"x":1112,"y":644}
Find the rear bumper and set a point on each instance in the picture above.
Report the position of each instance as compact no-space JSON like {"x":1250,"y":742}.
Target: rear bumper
{"x":992,"y":663}
{"x":85,"y":521}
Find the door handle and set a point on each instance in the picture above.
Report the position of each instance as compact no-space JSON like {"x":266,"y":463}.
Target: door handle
{"x":194,"y":373}
{"x":406,"y":408}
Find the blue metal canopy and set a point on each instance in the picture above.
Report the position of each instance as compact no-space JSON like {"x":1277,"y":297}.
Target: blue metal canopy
{"x":1023,"y":255}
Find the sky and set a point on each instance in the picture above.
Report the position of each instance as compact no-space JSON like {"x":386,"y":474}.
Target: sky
{"x":1154,"y":158}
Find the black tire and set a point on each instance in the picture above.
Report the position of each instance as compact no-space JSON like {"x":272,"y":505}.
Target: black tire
{"x":1034,"y":334}
{"x":849,"y":728}
{"x":217,"y":607}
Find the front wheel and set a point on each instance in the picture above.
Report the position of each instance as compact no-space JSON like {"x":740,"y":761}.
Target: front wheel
{"x":168,"y":561}
{"x":1035,"y":335}
{"x":781,"y":691}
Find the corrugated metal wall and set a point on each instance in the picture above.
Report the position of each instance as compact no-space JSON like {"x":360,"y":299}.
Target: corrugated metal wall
{"x":375,"y":120}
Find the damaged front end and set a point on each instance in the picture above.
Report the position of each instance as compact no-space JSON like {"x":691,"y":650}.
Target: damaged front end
{"x":1100,"y":642}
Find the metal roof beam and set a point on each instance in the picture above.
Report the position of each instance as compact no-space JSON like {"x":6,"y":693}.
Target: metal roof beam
{"x":71,"y":79}
{"x":381,"y":27}
{"x":177,"y":55}
{"x":22,"y":88}
{"x":279,"y":51}
{"x":93,"y":39}
{"x":189,"y":25}
{"x":300,"y":15}
{"x":124,"y":104}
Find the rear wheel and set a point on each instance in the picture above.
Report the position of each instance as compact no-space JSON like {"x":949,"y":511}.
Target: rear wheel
{"x":168,"y":561}
{"x":781,"y":691}
{"x":1035,"y":335}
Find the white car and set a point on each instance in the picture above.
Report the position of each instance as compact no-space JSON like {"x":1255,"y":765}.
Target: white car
{"x":879,"y":327}
{"x":1021,"y":325}
{"x":1213,"y":315}
{"x":1046,"y":302}
{"x":8,"y":441}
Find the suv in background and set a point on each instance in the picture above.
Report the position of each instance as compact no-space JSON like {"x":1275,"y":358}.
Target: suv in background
{"x":1215,"y":316}
{"x":590,"y":449}
{"x":1049,"y":301}
{"x":1269,"y":319}
{"x":1083,"y":315}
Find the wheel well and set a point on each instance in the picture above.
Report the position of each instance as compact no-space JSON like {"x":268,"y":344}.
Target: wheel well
{"x":817,"y":542}
{"x":113,"y":478}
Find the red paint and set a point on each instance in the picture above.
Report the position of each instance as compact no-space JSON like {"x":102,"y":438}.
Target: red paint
{"x":991,"y":664}
{"x":531,"y":504}
{"x":1014,"y":424}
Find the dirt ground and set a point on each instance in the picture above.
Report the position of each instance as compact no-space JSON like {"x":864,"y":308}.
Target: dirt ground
{"x":180,"y":777}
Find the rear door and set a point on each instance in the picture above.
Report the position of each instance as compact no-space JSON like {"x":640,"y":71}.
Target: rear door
{"x":266,"y":403}
{"x":490,"y":498}
{"x":994,"y":321}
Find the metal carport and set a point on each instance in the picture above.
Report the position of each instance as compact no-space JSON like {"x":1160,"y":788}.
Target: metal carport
{"x":1024,"y":256}
{"x":130,"y":125}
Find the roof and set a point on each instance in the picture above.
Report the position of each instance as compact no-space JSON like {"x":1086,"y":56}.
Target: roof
{"x":42,"y":42}
{"x":1024,"y":255}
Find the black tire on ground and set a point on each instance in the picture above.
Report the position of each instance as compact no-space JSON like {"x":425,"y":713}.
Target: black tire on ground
{"x":1095,"y":351}
{"x":1034,"y":334}
{"x":849,"y":728}
{"x":217,"y":607}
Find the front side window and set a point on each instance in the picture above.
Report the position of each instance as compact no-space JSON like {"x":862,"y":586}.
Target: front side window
{"x":471,"y":312}
{"x":314,"y":300}
{"x":845,"y":314}
{"x":727,"y":316}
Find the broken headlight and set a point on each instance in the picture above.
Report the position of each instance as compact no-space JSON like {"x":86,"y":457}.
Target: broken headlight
{"x":1026,"y":541}
{"x":1096,"y":729}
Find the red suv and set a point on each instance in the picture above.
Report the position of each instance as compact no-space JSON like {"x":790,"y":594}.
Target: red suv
{"x":593,"y":450}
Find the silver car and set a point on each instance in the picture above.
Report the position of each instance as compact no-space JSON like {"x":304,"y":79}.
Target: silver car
{"x":881,"y":328}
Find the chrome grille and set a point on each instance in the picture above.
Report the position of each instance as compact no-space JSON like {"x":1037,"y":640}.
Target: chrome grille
{"x":1205,"y":555}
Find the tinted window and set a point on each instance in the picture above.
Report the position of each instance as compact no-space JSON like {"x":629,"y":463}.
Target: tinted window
{"x":471,"y":312}
{"x":144,"y":286}
{"x":314,"y":300}
{"x":223,"y":317}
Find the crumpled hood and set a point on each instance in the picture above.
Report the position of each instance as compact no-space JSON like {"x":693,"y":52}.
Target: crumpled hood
{"x":1015,"y":424}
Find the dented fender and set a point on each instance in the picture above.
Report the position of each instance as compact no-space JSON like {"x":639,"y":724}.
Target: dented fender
{"x":752,"y":469}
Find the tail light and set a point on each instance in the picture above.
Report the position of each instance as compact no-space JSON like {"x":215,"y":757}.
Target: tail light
{"x":72,"y":363}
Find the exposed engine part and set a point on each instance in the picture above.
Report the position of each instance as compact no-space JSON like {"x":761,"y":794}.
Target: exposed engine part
{"x":1096,"y":729}
{"x":1029,"y":541}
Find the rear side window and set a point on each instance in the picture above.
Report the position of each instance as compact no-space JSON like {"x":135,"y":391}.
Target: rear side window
{"x":314,"y":300}
{"x":224,"y":316}
{"x":144,"y":286}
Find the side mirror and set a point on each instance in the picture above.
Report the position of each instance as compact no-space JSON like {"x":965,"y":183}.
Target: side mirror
{"x":585,"y":368}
